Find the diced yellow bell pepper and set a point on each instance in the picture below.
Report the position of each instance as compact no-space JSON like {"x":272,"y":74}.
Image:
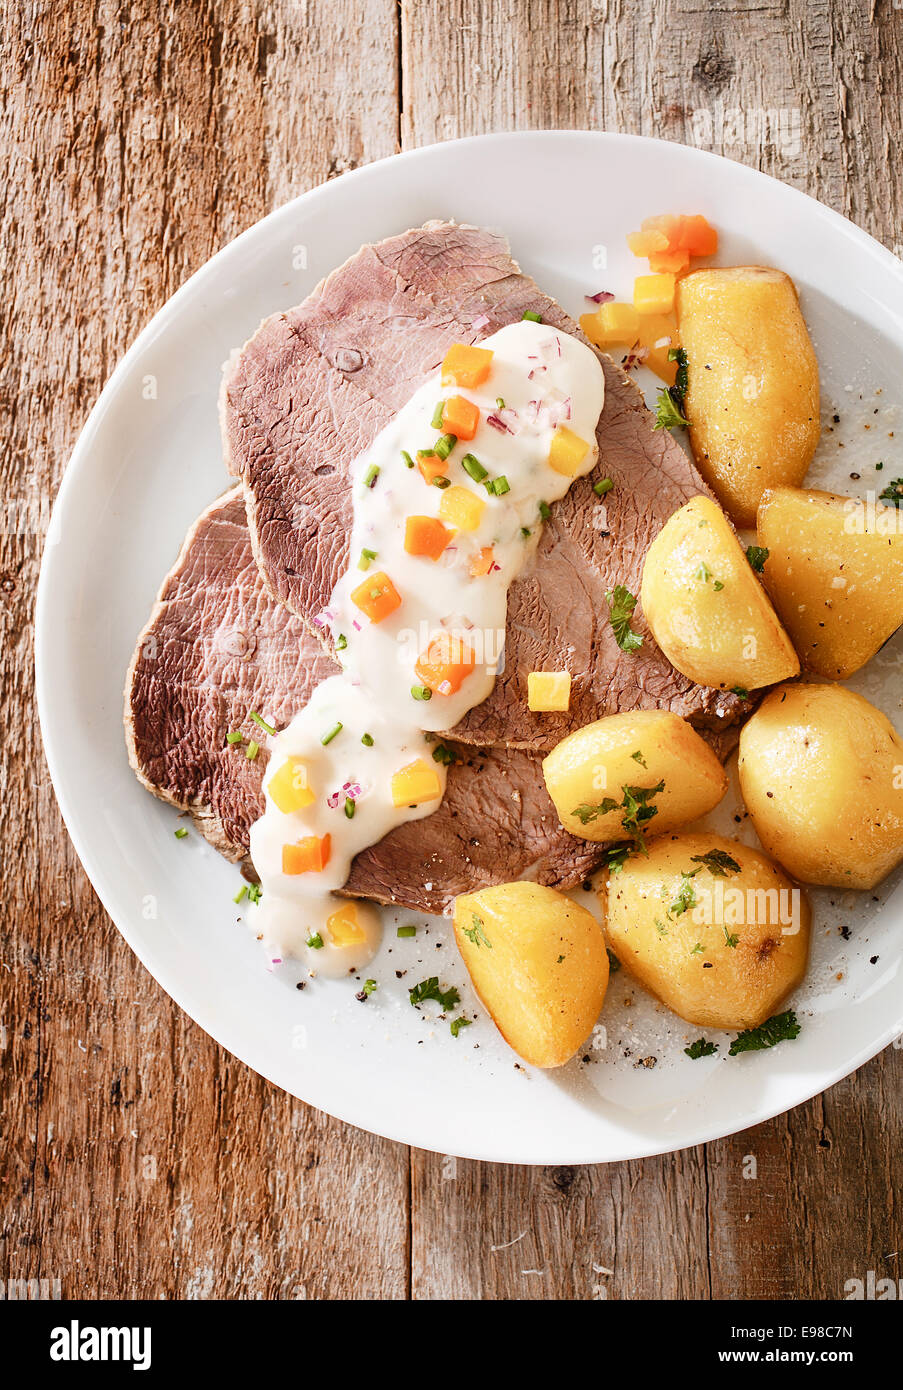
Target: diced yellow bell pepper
{"x":658,"y":333}
{"x":461,"y":508}
{"x":344,"y":928}
{"x":567,"y":452}
{"x":289,"y":787}
{"x":654,"y":294}
{"x":416,"y":783}
{"x":548,"y":691}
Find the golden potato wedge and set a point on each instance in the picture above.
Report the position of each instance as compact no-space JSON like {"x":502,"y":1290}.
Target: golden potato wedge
{"x":752,"y":382}
{"x":594,"y":774}
{"x":539,"y":964}
{"x":834,"y":573}
{"x":706,"y":608}
{"x":821,"y":772}
{"x":711,"y":927}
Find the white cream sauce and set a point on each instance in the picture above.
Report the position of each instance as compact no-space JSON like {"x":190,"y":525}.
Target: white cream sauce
{"x":545,"y":379}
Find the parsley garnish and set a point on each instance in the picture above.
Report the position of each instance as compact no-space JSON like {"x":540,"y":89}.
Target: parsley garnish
{"x":621,"y":604}
{"x":476,"y":933}
{"x":637,"y":812}
{"x":616,"y":857}
{"x":700,"y":1048}
{"x":668,"y":414}
{"x":718,"y":862}
{"x":429,"y":989}
{"x":741,"y":691}
{"x":638,"y":758}
{"x":781,"y":1028}
{"x":681,"y":380}
{"x":458,"y":1023}
{"x":893,"y":492}
{"x":686,"y":896}
{"x":730,"y":939}
{"x":757,"y":555}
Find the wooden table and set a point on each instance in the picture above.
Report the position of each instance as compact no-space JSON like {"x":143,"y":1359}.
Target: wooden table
{"x":139,"y":1159}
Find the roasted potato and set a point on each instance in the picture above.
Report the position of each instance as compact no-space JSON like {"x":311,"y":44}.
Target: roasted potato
{"x":711,"y":927}
{"x":752,"y":382}
{"x":835,"y":575}
{"x":593,"y":775}
{"x":821,"y":772}
{"x":539,"y":964}
{"x":706,"y":608}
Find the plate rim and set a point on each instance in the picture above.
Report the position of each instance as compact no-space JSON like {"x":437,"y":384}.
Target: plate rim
{"x":199,"y":1011}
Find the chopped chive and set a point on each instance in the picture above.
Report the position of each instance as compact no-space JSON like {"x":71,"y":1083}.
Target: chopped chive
{"x":444,"y":755}
{"x":406,"y":931}
{"x":268,"y":728}
{"x":500,"y":403}
{"x":349,"y":807}
{"x":421,"y":692}
{"x":236,"y":736}
{"x":408,"y":461}
{"x":242,"y":893}
{"x":366,"y":556}
{"x":252,"y":750}
{"x":327,"y":738}
{"x":255,"y":892}
{"x":444,"y":445}
{"x":367,"y":740}
{"x":440,"y":481}
{"x":545,"y":511}
{"x":436,"y":421}
{"x":369,"y":987}
{"x":532,"y":315}
{"x":371,"y":475}
{"x":341,"y":642}
{"x":474,"y":468}
{"x":501,"y":486}
{"x":180,"y":833}
{"x":603,"y":486}
{"x":315,"y":941}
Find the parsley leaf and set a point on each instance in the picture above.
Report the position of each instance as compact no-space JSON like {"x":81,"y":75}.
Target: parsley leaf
{"x":668,"y":413}
{"x":616,"y":857}
{"x":757,"y":555}
{"x":700,"y":1048}
{"x":621,"y":604}
{"x":718,"y":862}
{"x":686,"y":896}
{"x":893,"y":493}
{"x":781,"y":1028}
{"x":638,"y":758}
{"x":681,"y":380}
{"x":730,"y":938}
{"x":429,"y":989}
{"x":476,"y":933}
{"x":458,"y":1023}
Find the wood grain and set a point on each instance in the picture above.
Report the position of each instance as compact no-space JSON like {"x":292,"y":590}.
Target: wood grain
{"x":138,"y":1158}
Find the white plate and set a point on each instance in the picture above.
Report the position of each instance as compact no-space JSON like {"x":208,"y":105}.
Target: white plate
{"x":149,"y":460}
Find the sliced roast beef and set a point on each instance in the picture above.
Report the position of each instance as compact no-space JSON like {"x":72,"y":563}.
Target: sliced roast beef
{"x":217,"y":647}
{"x":314,"y":386}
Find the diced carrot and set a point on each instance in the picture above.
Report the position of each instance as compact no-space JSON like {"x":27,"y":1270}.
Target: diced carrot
{"x":425,"y":535}
{"x":432,"y":466}
{"x":377,"y":596}
{"x":310,"y":855}
{"x":460,"y":417}
{"x":466,"y":366}
{"x":482,"y":562}
{"x":698,"y":235}
{"x":647,"y":243}
{"x":445,"y":664}
{"x":658,"y":334}
{"x":673,"y":261}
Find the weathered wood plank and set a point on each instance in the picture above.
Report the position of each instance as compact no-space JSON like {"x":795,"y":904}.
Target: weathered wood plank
{"x":143,"y":1160}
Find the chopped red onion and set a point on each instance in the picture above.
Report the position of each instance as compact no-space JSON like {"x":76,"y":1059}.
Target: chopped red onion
{"x":355,"y":624}
{"x":498,"y":424}
{"x":510,"y":419}
{"x":603,"y":297}
{"x":481,"y":322}
{"x":445,"y":688}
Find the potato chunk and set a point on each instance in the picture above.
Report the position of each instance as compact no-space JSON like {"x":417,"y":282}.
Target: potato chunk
{"x":752,"y":382}
{"x":835,"y":575}
{"x":706,"y":608}
{"x":593,"y":776}
{"x":711,"y":927}
{"x":539,"y":964}
{"x":821,"y":771}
